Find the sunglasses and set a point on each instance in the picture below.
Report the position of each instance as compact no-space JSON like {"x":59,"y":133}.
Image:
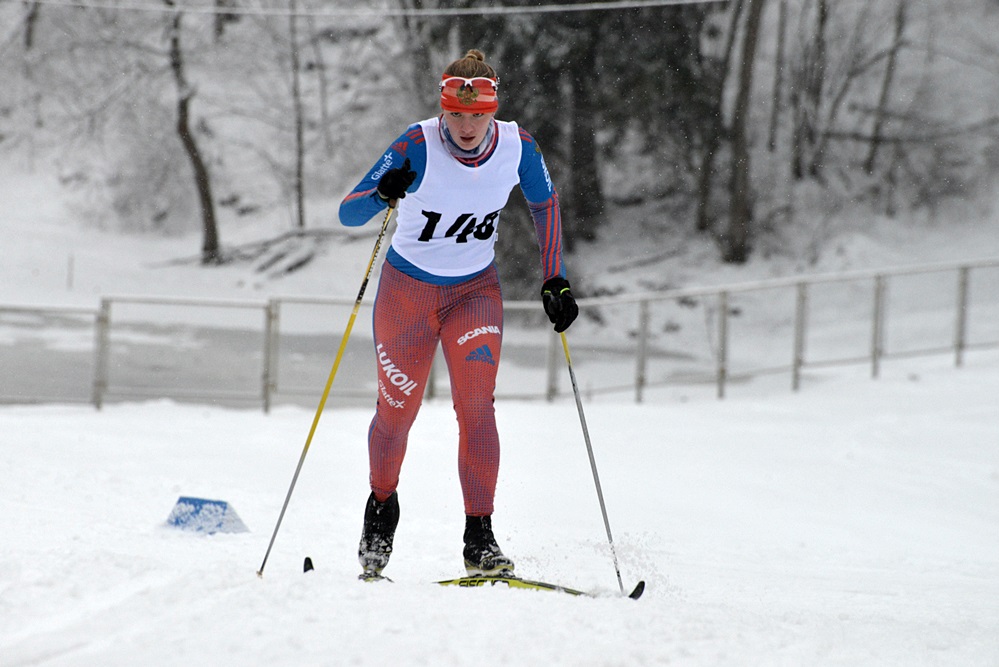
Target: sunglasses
{"x":473,"y":82}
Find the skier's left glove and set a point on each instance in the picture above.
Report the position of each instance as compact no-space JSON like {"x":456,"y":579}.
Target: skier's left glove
{"x":559,"y":304}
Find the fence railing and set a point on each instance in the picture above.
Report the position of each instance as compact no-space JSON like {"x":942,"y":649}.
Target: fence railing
{"x":671,"y":337}
{"x":876,"y":352}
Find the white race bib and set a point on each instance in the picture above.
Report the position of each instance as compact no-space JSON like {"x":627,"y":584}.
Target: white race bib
{"x":448,"y":226}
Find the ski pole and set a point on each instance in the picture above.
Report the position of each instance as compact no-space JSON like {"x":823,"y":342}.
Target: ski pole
{"x":593,"y":462}
{"x":329,"y":383}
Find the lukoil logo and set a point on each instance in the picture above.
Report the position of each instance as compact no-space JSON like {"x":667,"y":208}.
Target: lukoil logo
{"x":394,"y":374}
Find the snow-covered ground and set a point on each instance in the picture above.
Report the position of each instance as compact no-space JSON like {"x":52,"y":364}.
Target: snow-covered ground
{"x":853,"y":523}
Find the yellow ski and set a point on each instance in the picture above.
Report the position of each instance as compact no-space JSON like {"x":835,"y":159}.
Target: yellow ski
{"x":515,"y":582}
{"x":509,"y":582}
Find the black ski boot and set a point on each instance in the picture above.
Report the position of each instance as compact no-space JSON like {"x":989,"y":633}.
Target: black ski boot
{"x":380,"y":520}
{"x":483,"y":557}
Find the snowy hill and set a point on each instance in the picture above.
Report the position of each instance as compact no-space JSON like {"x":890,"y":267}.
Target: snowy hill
{"x":54,"y":258}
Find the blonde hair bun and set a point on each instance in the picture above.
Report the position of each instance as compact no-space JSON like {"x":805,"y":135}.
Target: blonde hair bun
{"x":472,"y":64}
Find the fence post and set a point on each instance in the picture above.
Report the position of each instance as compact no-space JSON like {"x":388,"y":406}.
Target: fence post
{"x":101,"y":352}
{"x":269,"y":379}
{"x":878,"y":325}
{"x":800,"y":323}
{"x":643,"y":349}
{"x":551,"y":390}
{"x":961,"y":331}
{"x":722,"y":341}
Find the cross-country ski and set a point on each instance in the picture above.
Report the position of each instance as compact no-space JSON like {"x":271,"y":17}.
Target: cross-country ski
{"x":516,"y":582}
{"x":496,"y":581}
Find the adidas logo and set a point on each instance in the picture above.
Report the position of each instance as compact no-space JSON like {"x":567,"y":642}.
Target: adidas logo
{"x":482,"y":354}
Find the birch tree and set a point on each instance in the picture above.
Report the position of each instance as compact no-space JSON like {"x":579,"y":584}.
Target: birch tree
{"x":736,"y":243}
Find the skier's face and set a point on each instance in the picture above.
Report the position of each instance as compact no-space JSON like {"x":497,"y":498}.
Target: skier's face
{"x":468,"y":129}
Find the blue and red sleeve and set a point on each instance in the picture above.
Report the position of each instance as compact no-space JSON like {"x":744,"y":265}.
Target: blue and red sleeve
{"x":542,"y":200}
{"x":363,"y":202}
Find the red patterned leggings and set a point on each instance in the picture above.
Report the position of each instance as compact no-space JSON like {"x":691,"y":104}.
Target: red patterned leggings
{"x":410,"y":318}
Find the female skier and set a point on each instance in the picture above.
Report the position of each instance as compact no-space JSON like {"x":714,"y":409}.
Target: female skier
{"x":450,"y":177}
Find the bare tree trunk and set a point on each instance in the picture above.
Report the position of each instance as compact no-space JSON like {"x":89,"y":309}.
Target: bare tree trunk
{"x":585,"y":199}
{"x":30,"y":19}
{"x":817,"y":82}
{"x":716,"y":128}
{"x":814,"y":86}
{"x":806,"y":99}
{"x":210,"y":252}
{"x":223,"y":17}
{"x":547,"y":129}
{"x":322,"y":80}
{"x":296,"y":100}
{"x":736,"y":249}
{"x":879,"y":113}
{"x":418,"y":45}
{"x":778,"y":77}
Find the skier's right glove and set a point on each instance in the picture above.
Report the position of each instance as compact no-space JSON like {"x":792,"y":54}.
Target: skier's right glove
{"x":394,"y":182}
{"x":559,"y":304}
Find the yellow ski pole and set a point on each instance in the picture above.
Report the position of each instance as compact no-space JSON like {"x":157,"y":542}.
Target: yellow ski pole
{"x":329,"y":383}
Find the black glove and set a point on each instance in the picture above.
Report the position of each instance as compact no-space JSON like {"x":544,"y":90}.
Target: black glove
{"x":559,"y":305}
{"x":394,"y":182}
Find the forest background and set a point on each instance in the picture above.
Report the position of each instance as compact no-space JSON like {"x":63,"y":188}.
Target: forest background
{"x":762,"y":125}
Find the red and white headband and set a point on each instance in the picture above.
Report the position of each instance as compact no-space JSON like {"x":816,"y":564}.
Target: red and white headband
{"x":470,"y":95}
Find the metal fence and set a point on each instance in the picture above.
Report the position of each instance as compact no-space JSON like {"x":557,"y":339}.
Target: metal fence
{"x":259,"y":352}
